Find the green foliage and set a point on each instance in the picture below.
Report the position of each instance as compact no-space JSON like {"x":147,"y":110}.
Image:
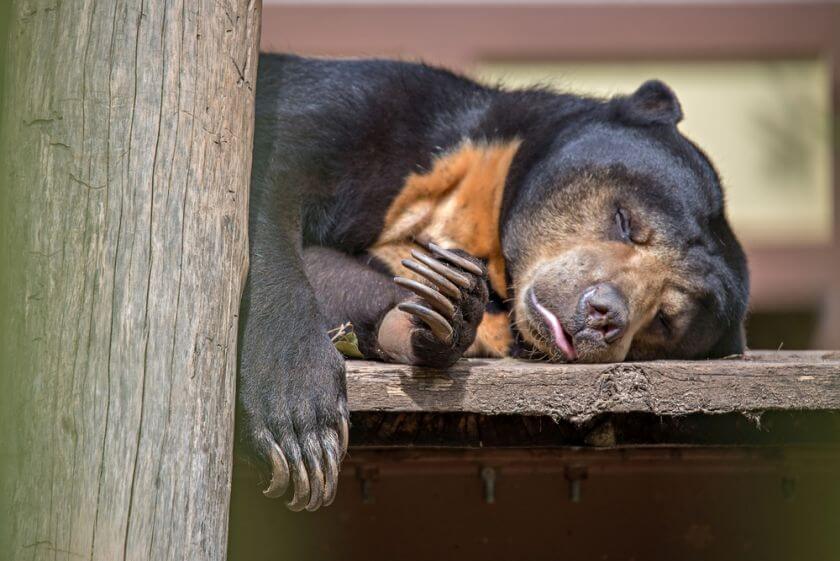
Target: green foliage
{"x":346,"y":341}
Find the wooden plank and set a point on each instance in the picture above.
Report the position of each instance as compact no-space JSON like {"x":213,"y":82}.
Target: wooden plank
{"x":757,"y":382}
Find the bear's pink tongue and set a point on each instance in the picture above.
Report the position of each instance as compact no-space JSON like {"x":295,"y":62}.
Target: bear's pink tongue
{"x":560,"y":338}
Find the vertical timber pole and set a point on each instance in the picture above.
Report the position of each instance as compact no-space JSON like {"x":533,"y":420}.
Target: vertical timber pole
{"x":125,"y":161}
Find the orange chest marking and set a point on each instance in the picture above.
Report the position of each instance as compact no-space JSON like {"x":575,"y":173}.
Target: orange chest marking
{"x":456,"y":204}
{"x":493,"y":338}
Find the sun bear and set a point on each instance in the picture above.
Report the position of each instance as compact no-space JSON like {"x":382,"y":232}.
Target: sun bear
{"x":444,"y":218}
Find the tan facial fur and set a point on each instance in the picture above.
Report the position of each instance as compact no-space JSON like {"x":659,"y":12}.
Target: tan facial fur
{"x":568,"y":252}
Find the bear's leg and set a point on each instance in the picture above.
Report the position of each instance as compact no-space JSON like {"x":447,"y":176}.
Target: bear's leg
{"x":352,"y":289}
{"x":292,"y":408}
{"x":429,"y":323}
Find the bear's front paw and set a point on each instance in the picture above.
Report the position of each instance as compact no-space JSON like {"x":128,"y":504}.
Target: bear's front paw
{"x":297,"y":423}
{"x":444,"y":316}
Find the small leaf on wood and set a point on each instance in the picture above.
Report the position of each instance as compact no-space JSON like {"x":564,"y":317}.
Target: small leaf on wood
{"x":346,"y":341}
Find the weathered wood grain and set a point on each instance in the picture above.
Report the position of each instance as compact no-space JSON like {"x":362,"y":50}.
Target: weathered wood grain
{"x":758,"y":382}
{"x":127,"y":134}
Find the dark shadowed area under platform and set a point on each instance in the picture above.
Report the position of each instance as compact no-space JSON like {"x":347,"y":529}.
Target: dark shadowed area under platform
{"x":730,"y":459}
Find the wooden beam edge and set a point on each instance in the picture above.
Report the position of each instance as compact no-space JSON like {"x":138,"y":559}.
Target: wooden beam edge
{"x":758,"y":382}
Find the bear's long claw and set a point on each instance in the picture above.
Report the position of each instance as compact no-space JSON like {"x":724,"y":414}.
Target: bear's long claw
{"x":343,"y":438}
{"x":438,"y":301}
{"x":279,"y":473}
{"x":436,"y":322}
{"x":301,"y":483}
{"x":442,"y":283}
{"x":441,"y":269}
{"x":456,"y":259}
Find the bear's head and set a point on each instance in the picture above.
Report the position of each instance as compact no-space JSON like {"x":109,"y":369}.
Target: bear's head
{"x":616,"y":241}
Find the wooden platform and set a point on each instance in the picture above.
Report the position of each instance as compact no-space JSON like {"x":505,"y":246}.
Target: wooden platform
{"x":758,"y":381}
{"x":759,"y":398}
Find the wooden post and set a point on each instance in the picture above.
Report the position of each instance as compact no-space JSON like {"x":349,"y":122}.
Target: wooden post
{"x":126,"y":157}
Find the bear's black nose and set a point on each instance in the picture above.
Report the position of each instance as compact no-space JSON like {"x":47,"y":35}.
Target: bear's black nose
{"x":605,"y":311}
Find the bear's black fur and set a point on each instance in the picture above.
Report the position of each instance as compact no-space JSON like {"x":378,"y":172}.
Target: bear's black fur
{"x":609,"y":239}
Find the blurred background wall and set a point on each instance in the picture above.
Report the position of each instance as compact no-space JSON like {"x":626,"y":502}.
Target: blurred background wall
{"x":758,"y":82}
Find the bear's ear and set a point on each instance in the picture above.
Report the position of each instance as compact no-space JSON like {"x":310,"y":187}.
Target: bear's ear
{"x":653,"y":103}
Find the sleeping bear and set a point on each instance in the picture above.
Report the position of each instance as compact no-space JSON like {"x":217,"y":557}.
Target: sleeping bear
{"x":443,"y":218}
